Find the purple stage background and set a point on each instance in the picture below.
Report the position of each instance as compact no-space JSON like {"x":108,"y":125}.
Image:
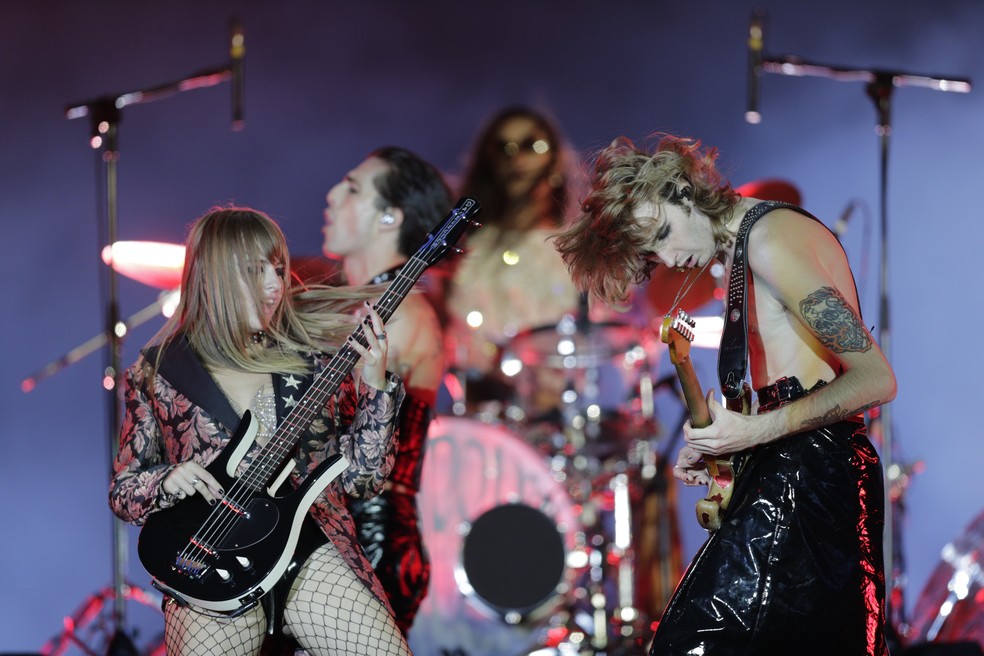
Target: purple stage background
{"x":326,"y":82}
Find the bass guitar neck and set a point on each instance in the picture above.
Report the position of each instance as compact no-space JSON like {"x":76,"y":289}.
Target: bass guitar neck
{"x":225,"y":558}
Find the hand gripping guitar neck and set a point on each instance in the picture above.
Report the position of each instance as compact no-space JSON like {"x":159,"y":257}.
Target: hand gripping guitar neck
{"x":677,"y":333}
{"x":225,"y":557}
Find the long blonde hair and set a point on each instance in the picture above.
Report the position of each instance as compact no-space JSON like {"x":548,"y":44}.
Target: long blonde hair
{"x":222,"y":249}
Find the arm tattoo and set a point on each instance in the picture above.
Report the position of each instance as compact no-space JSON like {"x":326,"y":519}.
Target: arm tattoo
{"x":834,"y":415}
{"x":834,"y":322}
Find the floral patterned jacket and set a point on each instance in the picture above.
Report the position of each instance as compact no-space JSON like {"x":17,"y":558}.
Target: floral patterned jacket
{"x":179,"y":413}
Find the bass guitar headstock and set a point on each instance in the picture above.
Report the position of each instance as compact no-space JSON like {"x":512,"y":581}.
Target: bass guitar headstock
{"x":444,"y":237}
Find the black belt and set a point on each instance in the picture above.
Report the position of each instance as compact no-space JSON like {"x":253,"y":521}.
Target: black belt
{"x":787,"y":388}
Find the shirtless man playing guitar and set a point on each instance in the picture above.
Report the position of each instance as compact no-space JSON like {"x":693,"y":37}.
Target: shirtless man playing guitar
{"x":797,"y":562}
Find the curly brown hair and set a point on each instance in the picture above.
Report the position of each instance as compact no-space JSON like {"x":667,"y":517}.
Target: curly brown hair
{"x":605,"y":248}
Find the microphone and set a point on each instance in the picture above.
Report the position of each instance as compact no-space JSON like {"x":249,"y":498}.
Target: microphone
{"x":237,"y":50}
{"x":752,"y":114}
{"x":840,"y":228}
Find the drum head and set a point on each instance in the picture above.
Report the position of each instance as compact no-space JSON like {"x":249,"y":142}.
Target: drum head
{"x":513,"y":560}
{"x":497,"y":525}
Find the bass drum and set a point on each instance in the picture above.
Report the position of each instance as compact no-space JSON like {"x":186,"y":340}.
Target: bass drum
{"x":951,"y":606}
{"x":498,"y":528}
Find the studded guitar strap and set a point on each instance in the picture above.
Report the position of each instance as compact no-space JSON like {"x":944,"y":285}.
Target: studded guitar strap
{"x":733,"y":354}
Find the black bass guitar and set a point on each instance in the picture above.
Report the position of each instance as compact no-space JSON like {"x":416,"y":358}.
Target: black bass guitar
{"x":227,"y":556}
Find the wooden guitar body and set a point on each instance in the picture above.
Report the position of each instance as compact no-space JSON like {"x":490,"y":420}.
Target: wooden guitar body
{"x":677,"y":334}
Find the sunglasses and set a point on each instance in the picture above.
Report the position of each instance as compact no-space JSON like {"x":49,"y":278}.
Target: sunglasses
{"x":528,"y":145}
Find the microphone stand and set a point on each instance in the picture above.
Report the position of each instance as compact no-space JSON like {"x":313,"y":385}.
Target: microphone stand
{"x":879,"y":85}
{"x":105,"y":114}
{"x":98,"y":340}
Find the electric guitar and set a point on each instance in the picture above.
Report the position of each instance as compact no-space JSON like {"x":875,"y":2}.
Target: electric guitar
{"x":227,"y":556}
{"x":677,"y":333}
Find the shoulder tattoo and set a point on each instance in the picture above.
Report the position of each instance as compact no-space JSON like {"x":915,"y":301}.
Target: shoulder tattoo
{"x":834,"y":321}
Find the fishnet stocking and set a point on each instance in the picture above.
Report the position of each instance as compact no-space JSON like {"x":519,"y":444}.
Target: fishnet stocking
{"x":330,"y":612}
{"x":190,"y":632}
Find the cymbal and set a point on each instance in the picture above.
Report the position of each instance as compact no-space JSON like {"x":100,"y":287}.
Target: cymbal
{"x":665,"y":282}
{"x":160,"y":264}
{"x":572,"y":345}
{"x":771,"y":189}
{"x":153,"y":263}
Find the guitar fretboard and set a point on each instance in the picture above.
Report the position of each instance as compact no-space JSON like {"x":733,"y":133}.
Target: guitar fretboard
{"x":288,"y":433}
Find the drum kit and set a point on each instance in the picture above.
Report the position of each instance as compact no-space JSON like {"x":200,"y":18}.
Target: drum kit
{"x":950,"y":608}
{"x":551,"y":522}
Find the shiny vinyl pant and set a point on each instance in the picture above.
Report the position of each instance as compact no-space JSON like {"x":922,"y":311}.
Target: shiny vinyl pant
{"x":797,"y":566}
{"x":389,"y":531}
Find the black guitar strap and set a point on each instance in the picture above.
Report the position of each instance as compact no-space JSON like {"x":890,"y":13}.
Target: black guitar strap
{"x":184,"y":371}
{"x":733,"y":354}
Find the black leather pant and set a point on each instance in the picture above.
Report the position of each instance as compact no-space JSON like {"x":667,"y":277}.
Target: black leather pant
{"x":797,"y":565}
{"x":389,"y":532}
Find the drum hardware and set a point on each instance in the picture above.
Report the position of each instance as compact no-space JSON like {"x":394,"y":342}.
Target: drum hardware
{"x":601,"y":611}
{"x":591,"y":464}
{"x":618,"y":557}
{"x":571,"y":344}
{"x":105,"y":114}
{"x":454,"y":385}
{"x":635,"y":561}
{"x":560,"y":371}
{"x":951,"y":605}
{"x":609,"y":609}
{"x":87,"y":629}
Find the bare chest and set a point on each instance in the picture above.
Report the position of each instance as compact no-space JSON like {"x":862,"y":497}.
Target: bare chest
{"x":779,"y":344}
